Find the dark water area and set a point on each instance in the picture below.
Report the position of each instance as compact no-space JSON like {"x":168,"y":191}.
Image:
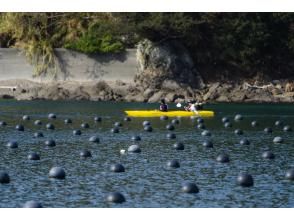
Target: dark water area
{"x":146,"y":182}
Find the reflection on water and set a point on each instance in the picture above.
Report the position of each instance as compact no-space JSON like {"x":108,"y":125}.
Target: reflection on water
{"x":147,"y":181}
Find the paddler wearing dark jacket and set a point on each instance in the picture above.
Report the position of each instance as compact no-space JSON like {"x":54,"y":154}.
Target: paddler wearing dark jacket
{"x":163,"y":106}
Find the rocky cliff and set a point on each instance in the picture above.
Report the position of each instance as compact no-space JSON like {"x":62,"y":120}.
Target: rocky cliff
{"x":277,"y":91}
{"x":165,"y":70}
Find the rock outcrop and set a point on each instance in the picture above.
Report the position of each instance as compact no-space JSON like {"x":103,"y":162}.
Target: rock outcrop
{"x":117,"y":91}
{"x":166,"y":64}
{"x":289,"y":87}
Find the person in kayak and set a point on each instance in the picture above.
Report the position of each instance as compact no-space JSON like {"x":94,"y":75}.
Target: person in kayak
{"x":190,"y":107}
{"x":194,"y":106}
{"x":163,"y":106}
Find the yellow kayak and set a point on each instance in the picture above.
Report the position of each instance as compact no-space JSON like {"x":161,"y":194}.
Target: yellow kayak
{"x":175,"y":113}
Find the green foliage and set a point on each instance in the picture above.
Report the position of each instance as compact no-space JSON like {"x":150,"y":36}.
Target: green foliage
{"x":257,"y":42}
{"x":247,"y":43}
{"x":157,"y":26}
{"x":28,"y":32}
{"x":39,"y":33}
{"x":98,"y":39}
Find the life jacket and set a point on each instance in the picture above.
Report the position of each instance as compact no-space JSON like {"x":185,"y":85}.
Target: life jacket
{"x":163,"y":107}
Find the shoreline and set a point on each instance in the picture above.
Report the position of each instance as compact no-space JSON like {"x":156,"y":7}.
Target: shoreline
{"x":277,"y":92}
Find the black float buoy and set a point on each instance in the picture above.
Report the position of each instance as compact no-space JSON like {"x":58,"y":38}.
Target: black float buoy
{"x":50,"y":126}
{"x":57,"y":173}
{"x":290,"y":174}
{"x":173,"y":164}
{"x":85,"y":125}
{"x":200,"y":120}
{"x":268,"y":130}
{"x":190,"y":188}
{"x":115,"y":197}
{"x":148,"y":128}
{"x":19,"y":127}
{"x":175,"y":121}
{"x":254,"y":124}
{"x":225,"y":119}
{"x":94,"y":139}
{"x":287,"y":128}
{"x":206,"y":133}
{"x":238,"y":117}
{"x":67,"y":121}
{"x":118,"y":124}
{"x":207,"y":144}
{"x":34,"y":156}
{"x":136,"y":138}
{"x":37,"y":122}
{"x":76,"y":132}
{"x":50,"y":143}
{"x":97,"y":119}
{"x":223,"y":158}
{"x":170,"y":127}
{"x":38,"y":134}
{"x":268,"y":155}
{"x":12,"y":144}
{"x":26,"y":118}
{"x":114,"y":130}
{"x":201,"y":126}
{"x":238,"y":132}
{"x":127,"y":119}
{"x":171,"y":136}
{"x":4,"y":178}
{"x":245,"y":180}
{"x":117,"y":168}
{"x":51,"y":116}
{"x":278,"y":140}
{"x":163,"y":118}
{"x":32,"y":204}
{"x":244,"y":141}
{"x":134,"y":149}
{"x":85,"y":153}
{"x":228,"y":125}
{"x":278,"y":123}
{"x":179,"y":146}
{"x":146,"y":123}
{"x":3,"y":123}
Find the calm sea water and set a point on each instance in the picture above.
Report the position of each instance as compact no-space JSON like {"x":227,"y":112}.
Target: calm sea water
{"x":147,"y":181}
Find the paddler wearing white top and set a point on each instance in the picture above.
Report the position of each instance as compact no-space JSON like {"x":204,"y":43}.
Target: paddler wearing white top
{"x":193,"y":106}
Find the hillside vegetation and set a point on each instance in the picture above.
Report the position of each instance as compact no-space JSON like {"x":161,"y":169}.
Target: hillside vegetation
{"x":221,"y":44}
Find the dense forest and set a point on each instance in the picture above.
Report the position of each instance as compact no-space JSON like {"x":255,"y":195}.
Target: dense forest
{"x":220,"y":43}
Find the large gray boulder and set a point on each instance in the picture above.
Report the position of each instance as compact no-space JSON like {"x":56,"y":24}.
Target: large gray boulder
{"x":168,"y":61}
{"x":212,"y":92}
{"x":157,"y":97}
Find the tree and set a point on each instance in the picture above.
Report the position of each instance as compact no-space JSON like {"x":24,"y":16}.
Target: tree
{"x":234,"y":43}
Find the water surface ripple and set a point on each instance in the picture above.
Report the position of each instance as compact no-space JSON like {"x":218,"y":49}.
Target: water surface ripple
{"x":147,"y":182}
